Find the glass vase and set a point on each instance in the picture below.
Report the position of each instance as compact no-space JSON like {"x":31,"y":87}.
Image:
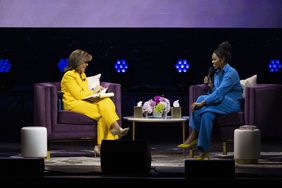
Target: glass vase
{"x":164,"y":115}
{"x":157,"y":114}
{"x":145,"y":114}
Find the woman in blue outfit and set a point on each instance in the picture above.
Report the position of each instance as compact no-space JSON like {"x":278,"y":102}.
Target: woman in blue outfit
{"x":225,"y":97}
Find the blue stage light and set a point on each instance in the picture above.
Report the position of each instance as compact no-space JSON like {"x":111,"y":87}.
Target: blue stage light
{"x":182,"y":65}
{"x":121,"y":66}
{"x":62,"y":64}
{"x":5,"y":65}
{"x":274,"y":65}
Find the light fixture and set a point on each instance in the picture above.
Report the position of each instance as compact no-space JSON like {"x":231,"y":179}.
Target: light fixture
{"x":121,"y":66}
{"x":182,"y":65}
{"x":5,"y":65}
{"x":62,"y":64}
{"x":274,"y":65}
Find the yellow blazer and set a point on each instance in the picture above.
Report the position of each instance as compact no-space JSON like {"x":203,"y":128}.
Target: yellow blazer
{"x":75,"y":88}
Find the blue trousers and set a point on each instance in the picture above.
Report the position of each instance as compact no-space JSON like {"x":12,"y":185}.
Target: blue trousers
{"x":202,"y":119}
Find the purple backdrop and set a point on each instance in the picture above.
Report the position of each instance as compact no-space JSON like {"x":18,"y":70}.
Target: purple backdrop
{"x":141,"y":13}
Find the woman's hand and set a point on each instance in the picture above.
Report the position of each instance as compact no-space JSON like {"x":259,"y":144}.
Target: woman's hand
{"x":206,"y":80}
{"x":98,"y":89}
{"x":196,"y":105}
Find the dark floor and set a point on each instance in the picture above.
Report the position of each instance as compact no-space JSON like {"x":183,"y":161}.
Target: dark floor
{"x":268,"y":170}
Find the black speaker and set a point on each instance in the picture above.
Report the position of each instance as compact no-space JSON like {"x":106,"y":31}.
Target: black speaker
{"x":125,"y":157}
{"x":21,"y":166}
{"x":209,"y":168}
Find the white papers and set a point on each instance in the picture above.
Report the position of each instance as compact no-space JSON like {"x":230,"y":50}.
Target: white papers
{"x":93,"y":81}
{"x":99,"y":95}
{"x":103,"y":90}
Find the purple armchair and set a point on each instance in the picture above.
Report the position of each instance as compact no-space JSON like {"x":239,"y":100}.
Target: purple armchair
{"x":62,"y":124}
{"x":262,"y":107}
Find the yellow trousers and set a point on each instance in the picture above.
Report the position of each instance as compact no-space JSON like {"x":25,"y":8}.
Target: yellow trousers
{"x":104,"y":112}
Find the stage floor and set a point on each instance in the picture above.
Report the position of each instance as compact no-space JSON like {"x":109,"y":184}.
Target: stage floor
{"x":76,"y":160}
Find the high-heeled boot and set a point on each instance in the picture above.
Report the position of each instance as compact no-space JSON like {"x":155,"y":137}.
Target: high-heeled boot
{"x":120,"y":132}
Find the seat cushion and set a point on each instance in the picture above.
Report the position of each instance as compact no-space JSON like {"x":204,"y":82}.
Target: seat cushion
{"x":232,"y":119}
{"x":224,"y":125}
{"x":68,"y":117}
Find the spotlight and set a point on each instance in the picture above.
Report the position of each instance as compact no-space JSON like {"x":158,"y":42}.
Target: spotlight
{"x":5,"y":65}
{"x":121,"y":66}
{"x":274,"y":65}
{"x":182,"y":65}
{"x":62,"y":64}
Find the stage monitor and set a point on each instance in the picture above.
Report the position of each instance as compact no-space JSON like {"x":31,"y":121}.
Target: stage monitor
{"x":21,"y":167}
{"x":124,"y":157}
{"x":224,"y":168}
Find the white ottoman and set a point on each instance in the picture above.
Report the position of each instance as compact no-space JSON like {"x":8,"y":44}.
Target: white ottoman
{"x":247,"y":144}
{"x":34,"y":142}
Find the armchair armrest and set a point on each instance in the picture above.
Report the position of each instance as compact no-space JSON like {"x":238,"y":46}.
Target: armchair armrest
{"x":195,"y":91}
{"x":115,"y":88}
{"x":263,"y":104}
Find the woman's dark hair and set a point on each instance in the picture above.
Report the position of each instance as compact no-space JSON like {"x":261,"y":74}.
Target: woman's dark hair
{"x":76,"y":58}
{"x":223,"y":51}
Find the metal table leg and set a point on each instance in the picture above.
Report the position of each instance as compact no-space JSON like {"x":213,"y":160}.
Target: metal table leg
{"x":183,"y":137}
{"x":133,"y":130}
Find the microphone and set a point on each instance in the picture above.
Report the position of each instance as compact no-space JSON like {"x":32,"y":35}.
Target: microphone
{"x":83,"y":79}
{"x":211,"y":72}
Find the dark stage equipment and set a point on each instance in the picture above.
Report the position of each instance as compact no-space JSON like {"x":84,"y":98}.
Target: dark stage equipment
{"x":209,"y":168}
{"x":124,"y":157}
{"x":21,"y":167}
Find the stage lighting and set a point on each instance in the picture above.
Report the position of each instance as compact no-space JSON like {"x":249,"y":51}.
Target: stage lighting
{"x":5,"y":65}
{"x":274,"y":65}
{"x":62,"y":64}
{"x":182,"y":65}
{"x":121,"y":66}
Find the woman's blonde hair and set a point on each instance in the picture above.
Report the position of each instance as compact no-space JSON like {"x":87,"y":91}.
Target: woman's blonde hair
{"x":76,"y":58}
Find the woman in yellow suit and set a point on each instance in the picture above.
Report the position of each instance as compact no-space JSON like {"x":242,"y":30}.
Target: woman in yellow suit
{"x":75,"y":87}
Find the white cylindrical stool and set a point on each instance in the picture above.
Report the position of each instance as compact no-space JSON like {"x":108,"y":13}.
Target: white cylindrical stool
{"x":247,"y":144}
{"x":34,"y":142}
